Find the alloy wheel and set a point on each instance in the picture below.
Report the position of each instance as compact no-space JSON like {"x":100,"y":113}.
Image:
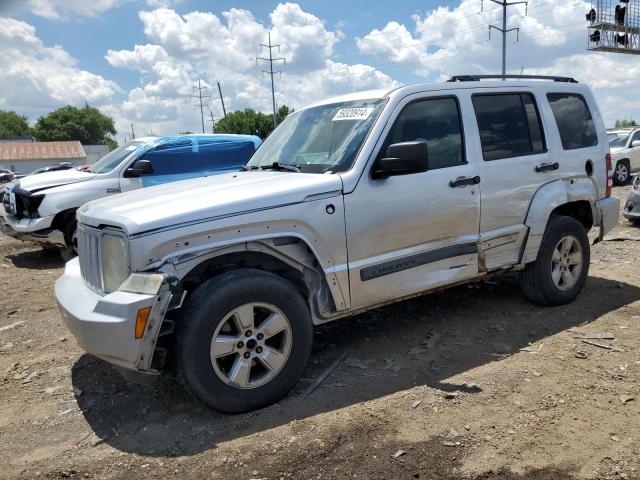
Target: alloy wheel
{"x":251,"y":345}
{"x":622,"y":173}
{"x":566,"y":263}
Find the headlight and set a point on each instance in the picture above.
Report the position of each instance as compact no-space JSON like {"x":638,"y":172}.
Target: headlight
{"x":636,"y":182}
{"x":143,"y":283}
{"x":115,"y":265}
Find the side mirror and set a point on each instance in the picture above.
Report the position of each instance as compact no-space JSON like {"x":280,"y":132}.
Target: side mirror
{"x":139,"y":168}
{"x":403,"y":159}
{"x":635,"y":144}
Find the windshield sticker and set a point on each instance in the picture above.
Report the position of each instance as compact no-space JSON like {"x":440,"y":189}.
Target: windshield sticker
{"x":352,"y":114}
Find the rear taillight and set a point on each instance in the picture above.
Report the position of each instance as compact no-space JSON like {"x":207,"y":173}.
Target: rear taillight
{"x":607,"y":160}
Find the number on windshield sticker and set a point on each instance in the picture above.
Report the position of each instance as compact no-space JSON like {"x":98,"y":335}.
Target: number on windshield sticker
{"x":352,"y":114}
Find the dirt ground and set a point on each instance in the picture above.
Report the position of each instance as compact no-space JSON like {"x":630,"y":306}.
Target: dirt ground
{"x":472,"y":383}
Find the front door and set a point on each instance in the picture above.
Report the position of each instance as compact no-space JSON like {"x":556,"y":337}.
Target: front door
{"x":413,"y":232}
{"x":128,"y":183}
{"x":634,"y":152}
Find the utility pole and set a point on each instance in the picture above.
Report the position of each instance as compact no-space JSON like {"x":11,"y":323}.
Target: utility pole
{"x":224,"y":110}
{"x":505,"y":4}
{"x":271,"y":60}
{"x":212,"y":120}
{"x":199,"y":96}
{"x":133,"y":133}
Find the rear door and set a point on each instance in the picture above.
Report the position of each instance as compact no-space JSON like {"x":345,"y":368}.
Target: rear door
{"x":514,"y":163}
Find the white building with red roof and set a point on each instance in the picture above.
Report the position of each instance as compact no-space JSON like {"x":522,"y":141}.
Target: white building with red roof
{"x":25,"y":157}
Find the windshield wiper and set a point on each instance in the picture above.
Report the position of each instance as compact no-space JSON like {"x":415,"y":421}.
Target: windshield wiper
{"x":281,"y":166}
{"x":244,"y":168}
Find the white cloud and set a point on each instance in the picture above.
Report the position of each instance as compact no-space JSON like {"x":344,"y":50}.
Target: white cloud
{"x":447,"y":41}
{"x":183,"y":48}
{"x":59,"y":9}
{"x":35,"y":77}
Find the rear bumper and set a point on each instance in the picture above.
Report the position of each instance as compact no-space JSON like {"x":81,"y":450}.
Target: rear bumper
{"x":608,"y":211}
{"x":632,"y":205}
{"x":31,"y":229}
{"x":105,"y":325}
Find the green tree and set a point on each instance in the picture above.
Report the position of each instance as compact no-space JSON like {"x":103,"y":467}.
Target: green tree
{"x":625,"y":123}
{"x":13,"y":125}
{"x":87,"y":124}
{"x":250,"y":122}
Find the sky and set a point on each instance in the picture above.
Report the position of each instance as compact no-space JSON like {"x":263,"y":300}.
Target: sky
{"x":138,"y":60}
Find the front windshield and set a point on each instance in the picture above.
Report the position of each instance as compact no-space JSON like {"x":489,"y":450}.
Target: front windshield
{"x":112,"y":159}
{"x":618,"y":140}
{"x":319,"y":139}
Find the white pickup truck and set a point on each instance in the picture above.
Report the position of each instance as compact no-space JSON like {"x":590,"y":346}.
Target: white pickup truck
{"x":42,"y":208}
{"x":350,"y":204}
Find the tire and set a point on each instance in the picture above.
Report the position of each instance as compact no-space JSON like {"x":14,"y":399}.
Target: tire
{"x":70,"y":230}
{"x":622,"y":173}
{"x":537,"y":278}
{"x":209,"y":313}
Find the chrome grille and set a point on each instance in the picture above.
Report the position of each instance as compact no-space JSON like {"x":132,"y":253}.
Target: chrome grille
{"x":89,"y":255}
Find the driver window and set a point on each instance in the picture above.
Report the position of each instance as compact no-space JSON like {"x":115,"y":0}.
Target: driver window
{"x":436,"y":121}
{"x":636,"y":138}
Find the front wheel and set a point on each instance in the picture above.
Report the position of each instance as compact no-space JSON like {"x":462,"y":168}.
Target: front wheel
{"x":71,"y":235}
{"x":243,"y":341}
{"x":560,"y":271}
{"x":622,"y":173}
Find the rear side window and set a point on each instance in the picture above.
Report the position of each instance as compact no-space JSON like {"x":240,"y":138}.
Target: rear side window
{"x":574,"y":120}
{"x":509,"y":125}
{"x":436,"y":121}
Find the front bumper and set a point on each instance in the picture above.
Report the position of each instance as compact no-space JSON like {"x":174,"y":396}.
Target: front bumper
{"x":632,"y":206}
{"x":608,"y":211}
{"x":31,"y":229}
{"x":105,"y":325}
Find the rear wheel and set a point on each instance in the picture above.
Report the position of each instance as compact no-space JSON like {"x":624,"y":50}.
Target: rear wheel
{"x":560,"y":271}
{"x":622,"y":172}
{"x":243,"y":341}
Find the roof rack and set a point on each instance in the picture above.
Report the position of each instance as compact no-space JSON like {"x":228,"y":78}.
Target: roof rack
{"x":475,"y":78}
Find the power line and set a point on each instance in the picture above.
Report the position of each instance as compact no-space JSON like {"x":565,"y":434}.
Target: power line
{"x":504,"y":29}
{"x":200,"y":103}
{"x":271,"y":61}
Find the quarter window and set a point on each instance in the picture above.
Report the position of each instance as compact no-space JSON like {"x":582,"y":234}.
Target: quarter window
{"x":509,"y":125}
{"x":574,"y":120}
{"x":436,"y":121}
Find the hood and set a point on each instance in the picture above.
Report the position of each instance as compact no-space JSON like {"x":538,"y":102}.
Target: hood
{"x":205,"y":198}
{"x":45,"y":180}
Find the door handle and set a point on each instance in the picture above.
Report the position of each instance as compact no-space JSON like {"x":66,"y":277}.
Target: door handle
{"x":463,"y":181}
{"x":545,"y":167}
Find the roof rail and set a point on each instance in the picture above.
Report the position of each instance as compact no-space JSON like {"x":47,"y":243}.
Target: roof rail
{"x":475,"y":78}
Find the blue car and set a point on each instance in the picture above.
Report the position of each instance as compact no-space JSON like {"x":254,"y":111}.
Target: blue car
{"x":42,"y":208}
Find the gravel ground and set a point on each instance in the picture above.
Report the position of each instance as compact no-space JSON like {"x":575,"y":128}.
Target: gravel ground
{"x":472,"y":383}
